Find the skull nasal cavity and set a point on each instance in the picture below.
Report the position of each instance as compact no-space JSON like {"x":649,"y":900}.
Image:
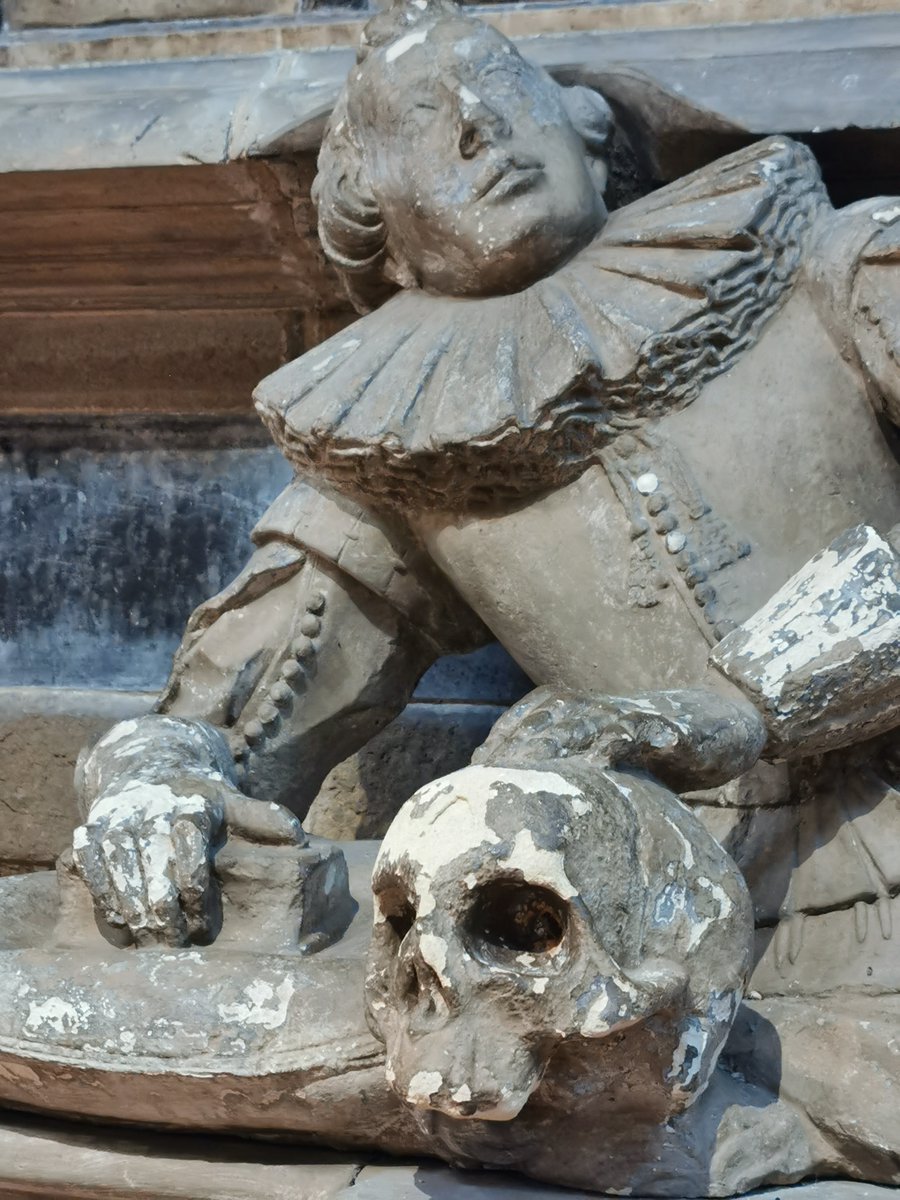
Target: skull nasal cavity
{"x":428,"y":1004}
{"x":507,"y":915}
{"x":398,"y":911}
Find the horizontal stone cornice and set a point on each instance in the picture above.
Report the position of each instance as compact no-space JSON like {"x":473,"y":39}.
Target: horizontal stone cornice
{"x":158,"y":94}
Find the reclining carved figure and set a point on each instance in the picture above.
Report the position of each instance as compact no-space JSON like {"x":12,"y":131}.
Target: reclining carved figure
{"x":652,"y":451}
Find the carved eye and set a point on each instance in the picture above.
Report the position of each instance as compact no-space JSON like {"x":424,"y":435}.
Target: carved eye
{"x":521,"y":917}
{"x":398,"y":911}
{"x":470,"y":142}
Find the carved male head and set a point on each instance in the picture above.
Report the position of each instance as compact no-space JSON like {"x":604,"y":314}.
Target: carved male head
{"x":453,"y":164}
{"x":520,"y":913}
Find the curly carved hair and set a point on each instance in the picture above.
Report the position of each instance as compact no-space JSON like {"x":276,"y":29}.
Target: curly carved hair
{"x":351,"y":227}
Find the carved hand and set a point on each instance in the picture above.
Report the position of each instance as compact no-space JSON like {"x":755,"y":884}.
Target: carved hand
{"x":147,"y":847}
{"x":688,"y":738}
{"x":146,"y":855}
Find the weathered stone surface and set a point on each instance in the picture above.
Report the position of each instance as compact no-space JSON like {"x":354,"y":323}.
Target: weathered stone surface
{"x":53,"y":1161}
{"x":25,"y":14}
{"x":412,"y":1181}
{"x":363,"y":794}
{"x":822,"y":659}
{"x":41,"y":734}
{"x":108,"y":550}
{"x":409,"y":1182}
{"x":48,"y":1160}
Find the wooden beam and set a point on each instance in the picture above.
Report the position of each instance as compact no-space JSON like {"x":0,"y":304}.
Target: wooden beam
{"x":157,"y":291}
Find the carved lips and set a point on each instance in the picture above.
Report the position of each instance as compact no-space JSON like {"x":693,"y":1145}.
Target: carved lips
{"x":508,"y":176}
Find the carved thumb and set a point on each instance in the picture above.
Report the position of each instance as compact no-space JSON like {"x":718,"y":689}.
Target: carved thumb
{"x":262,"y":822}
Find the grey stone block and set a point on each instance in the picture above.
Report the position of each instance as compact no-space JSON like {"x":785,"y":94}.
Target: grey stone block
{"x":106,"y":552}
{"x":414,"y":1181}
{"x":362,"y":795}
{"x":29,"y":14}
{"x":486,"y":676}
{"x":48,"y":1159}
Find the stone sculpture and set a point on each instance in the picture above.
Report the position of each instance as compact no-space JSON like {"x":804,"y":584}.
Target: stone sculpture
{"x":652,"y":451}
{"x":601,"y":910}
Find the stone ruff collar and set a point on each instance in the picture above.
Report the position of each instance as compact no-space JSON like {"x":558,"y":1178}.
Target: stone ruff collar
{"x":452,"y":403}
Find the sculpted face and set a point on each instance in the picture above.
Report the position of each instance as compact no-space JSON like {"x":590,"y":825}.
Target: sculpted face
{"x":482,"y":181}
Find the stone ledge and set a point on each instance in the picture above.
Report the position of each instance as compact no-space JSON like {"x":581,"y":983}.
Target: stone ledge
{"x":60,"y":1162}
{"x":43,"y":729}
{"x":50,"y":1160}
{"x":49,"y":21}
{"x":268,"y":89}
{"x":26,"y":14}
{"x":421,"y":1181}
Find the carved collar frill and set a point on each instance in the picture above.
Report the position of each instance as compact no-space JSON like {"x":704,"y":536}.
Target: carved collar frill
{"x":448,"y":402}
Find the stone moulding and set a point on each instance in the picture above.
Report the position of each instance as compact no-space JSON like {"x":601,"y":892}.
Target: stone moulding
{"x":269,"y":92}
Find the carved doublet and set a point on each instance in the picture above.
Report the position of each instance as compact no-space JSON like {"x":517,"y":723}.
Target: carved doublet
{"x":688,"y":527}
{"x":673,"y":423}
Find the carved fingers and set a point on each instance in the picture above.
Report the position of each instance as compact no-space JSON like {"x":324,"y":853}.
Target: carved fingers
{"x":258,"y":821}
{"x":192,"y":876}
{"x":145,"y":854}
{"x":688,"y":738}
{"x":539,"y":728}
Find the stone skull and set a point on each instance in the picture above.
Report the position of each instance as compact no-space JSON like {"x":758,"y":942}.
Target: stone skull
{"x":517,"y":910}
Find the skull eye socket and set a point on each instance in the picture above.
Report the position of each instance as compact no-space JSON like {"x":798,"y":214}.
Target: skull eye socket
{"x":398,"y":911}
{"x":521,"y":917}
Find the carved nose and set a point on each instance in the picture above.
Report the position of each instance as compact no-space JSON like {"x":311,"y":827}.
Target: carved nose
{"x":428,"y":1001}
{"x":480,"y":127}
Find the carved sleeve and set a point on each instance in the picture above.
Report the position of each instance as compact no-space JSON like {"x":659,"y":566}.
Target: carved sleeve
{"x":316,"y":645}
{"x":821,"y":660}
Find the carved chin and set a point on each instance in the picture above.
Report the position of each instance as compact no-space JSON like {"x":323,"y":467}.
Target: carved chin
{"x":494,"y":254}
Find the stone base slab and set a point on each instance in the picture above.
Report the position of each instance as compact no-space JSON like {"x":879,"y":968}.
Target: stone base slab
{"x":56,"y":1161}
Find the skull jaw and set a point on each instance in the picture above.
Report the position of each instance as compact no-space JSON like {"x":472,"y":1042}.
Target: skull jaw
{"x":465,"y":1077}
{"x":608,"y":1094}
{"x":478,"y":1067}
